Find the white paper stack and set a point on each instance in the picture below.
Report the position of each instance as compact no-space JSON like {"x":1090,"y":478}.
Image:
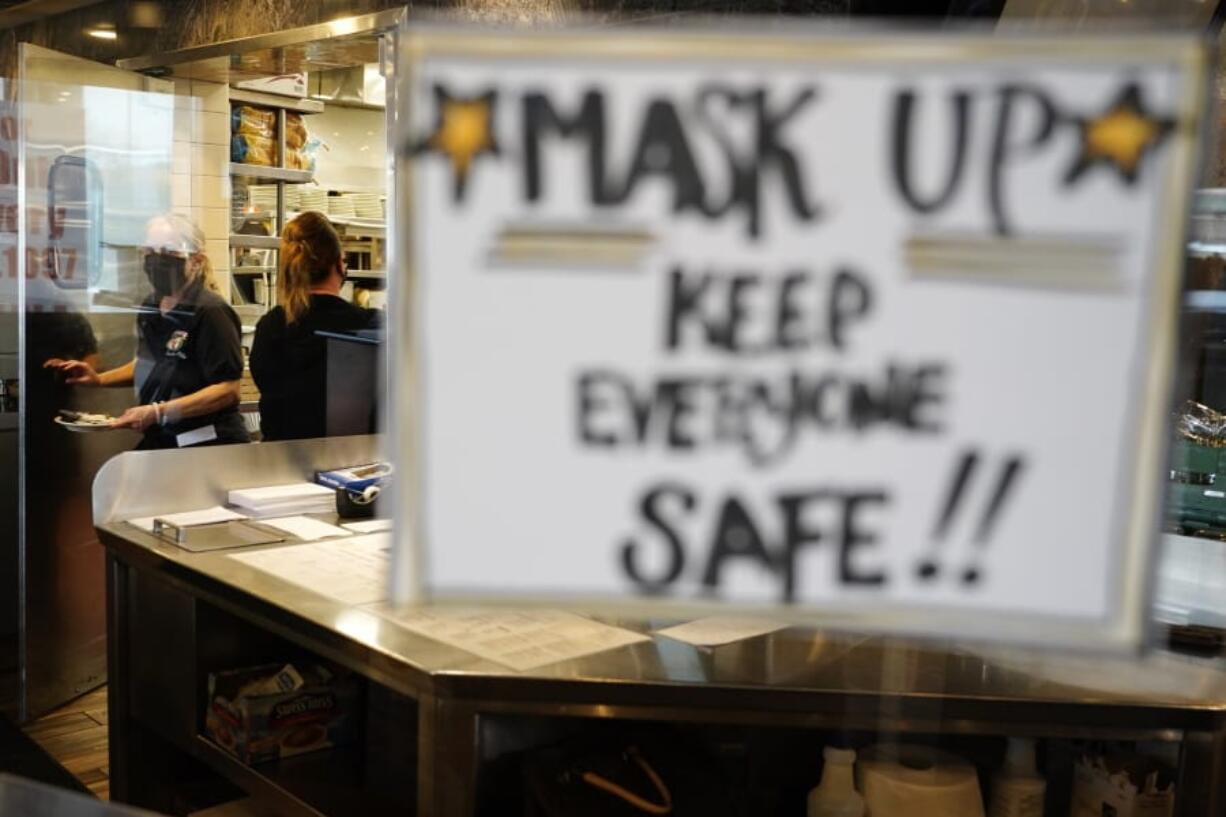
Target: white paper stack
{"x":285,"y":500}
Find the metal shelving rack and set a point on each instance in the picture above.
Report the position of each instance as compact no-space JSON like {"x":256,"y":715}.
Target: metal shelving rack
{"x":366,"y":237}
{"x":279,"y":176}
{"x":1207,"y":239}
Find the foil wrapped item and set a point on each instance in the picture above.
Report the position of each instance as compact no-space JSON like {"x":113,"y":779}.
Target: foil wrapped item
{"x":1202,"y":425}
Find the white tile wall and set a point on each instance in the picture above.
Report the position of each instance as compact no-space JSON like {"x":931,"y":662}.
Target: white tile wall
{"x":218,"y":249}
{"x":183,"y":123}
{"x":181,"y":159}
{"x":211,"y":191}
{"x":181,"y":192}
{"x":224,"y":280}
{"x":210,"y":128}
{"x":215,"y":221}
{"x":200,"y":170}
{"x":210,"y":160}
{"x":213,"y":96}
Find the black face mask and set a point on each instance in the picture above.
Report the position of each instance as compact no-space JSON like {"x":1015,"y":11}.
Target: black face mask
{"x":167,"y":273}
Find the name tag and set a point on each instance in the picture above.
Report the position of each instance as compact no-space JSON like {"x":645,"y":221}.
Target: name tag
{"x":196,"y":436}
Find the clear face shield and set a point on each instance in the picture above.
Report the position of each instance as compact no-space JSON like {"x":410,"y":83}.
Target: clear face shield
{"x":165,"y":257}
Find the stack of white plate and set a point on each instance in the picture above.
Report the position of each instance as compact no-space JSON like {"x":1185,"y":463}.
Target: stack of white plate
{"x":238,"y":205}
{"x":293,"y":197}
{"x":341,"y":206}
{"x":262,"y":197}
{"x":312,"y":199}
{"x":367,"y":205}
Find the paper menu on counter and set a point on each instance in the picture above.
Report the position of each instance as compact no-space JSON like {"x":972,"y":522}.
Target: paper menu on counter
{"x":520,"y":639}
{"x":306,"y":528}
{"x":353,"y":570}
{"x":719,"y":630}
{"x":187,"y":519}
{"x":368,"y":526}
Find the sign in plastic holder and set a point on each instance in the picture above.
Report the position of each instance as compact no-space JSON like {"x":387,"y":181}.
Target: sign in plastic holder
{"x":872,"y":332}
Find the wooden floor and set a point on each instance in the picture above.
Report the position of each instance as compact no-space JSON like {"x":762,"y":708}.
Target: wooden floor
{"x":75,"y":735}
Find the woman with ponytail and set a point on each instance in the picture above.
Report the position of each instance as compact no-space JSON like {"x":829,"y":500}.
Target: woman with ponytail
{"x":288,"y":358}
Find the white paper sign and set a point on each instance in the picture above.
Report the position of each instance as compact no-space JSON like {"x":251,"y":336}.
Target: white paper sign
{"x":352,"y":570}
{"x":719,"y":630}
{"x":519,"y":639}
{"x":306,"y":528}
{"x":879,"y":329}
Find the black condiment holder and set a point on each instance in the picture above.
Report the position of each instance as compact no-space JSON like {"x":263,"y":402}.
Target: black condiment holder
{"x":350,"y":505}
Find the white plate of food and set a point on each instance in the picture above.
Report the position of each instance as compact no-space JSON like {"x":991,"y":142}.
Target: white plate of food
{"x":81,"y":421}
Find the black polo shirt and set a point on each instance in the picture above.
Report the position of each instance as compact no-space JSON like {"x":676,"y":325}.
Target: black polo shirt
{"x":194,"y":345}
{"x":290,"y":361}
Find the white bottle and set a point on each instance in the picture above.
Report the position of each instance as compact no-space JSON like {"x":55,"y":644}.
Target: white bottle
{"x":1017,"y":789}
{"x":836,"y":795}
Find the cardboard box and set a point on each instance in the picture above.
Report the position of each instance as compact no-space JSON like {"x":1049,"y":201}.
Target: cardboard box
{"x":356,"y":478}
{"x":286,"y":85}
{"x":322,"y":712}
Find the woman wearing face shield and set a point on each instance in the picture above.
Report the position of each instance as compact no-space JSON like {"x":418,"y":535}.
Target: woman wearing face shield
{"x":189,"y":355}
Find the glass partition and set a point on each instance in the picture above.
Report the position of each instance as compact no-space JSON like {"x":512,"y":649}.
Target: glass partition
{"x":94,"y":153}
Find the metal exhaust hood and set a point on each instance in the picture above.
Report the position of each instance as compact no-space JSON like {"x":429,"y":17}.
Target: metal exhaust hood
{"x":359,"y":86}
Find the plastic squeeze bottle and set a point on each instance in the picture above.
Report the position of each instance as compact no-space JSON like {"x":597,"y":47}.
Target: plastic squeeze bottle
{"x":1017,"y":789}
{"x":836,"y":795}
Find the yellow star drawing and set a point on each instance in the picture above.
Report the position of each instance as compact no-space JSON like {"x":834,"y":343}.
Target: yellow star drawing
{"x":1120,"y":137}
{"x":463,"y":132}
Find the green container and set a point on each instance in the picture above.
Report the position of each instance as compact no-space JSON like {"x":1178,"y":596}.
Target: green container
{"x":1196,"y":499}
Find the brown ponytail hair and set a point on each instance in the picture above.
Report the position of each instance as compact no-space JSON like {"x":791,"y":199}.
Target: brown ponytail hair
{"x":310,"y":250}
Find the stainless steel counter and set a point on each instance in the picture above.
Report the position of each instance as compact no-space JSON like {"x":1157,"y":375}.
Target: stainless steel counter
{"x":799,"y":677}
{"x":799,"y":658}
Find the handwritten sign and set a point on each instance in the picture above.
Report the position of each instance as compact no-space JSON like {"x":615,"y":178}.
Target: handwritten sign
{"x":83,"y":166}
{"x":47,"y":256}
{"x":874,"y":332}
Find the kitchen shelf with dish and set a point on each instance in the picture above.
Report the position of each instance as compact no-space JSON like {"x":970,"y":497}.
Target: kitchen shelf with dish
{"x":268,"y":164}
{"x":265,"y":173}
{"x":259,"y":242}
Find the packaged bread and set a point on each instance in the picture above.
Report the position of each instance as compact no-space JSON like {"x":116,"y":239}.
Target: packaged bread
{"x":252,"y":150}
{"x":252,"y":121}
{"x":300,"y":160}
{"x":296,"y":134}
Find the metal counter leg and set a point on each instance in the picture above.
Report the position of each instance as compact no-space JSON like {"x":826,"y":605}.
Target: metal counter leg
{"x":117,"y":667}
{"x":1201,"y":789}
{"x":447,"y":758}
